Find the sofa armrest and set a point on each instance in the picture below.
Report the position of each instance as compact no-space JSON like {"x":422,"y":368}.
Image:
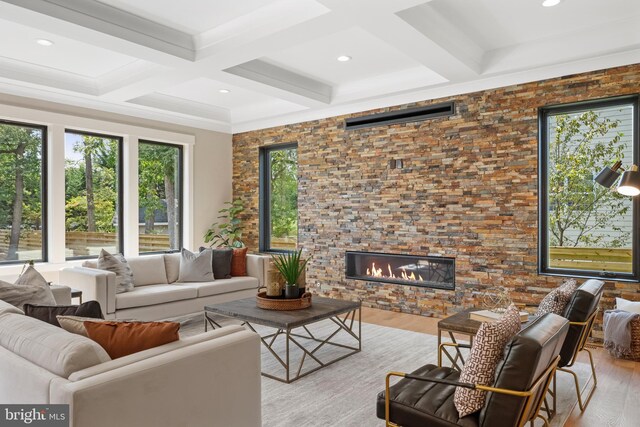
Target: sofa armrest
{"x":213,"y":383}
{"x":257,"y":266}
{"x":62,"y":294}
{"x":98,"y":285}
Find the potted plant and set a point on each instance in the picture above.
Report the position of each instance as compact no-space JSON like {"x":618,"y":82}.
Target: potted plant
{"x":290,"y":265}
{"x":229,"y":232}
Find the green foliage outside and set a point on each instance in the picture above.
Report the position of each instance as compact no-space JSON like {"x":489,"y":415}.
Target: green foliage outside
{"x":20,"y":182}
{"x":91,"y":188}
{"x":284,"y":193}
{"x":578,"y":207}
{"x":157,"y":177}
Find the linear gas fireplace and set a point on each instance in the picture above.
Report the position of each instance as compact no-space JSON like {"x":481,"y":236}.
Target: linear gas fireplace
{"x":412,"y":270}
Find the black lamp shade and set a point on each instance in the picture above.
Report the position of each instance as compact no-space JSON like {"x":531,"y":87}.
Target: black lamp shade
{"x":629,"y":183}
{"x":607,"y":177}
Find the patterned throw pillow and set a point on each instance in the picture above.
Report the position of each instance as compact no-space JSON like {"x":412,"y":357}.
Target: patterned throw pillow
{"x":486,"y":353}
{"x":119,"y":265}
{"x":556,"y":300}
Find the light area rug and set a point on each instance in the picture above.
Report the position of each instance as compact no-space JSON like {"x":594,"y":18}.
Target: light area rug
{"x":344,"y":393}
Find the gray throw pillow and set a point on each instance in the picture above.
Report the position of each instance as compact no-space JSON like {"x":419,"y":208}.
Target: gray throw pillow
{"x":26,"y":293}
{"x":221,"y":262}
{"x":119,"y":265}
{"x":31,"y":276}
{"x":196,"y":267}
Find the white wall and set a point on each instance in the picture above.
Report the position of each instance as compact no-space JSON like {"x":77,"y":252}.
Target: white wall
{"x":208,"y":169}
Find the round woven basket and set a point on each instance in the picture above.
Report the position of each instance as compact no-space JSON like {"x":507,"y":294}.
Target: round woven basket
{"x":283,"y":304}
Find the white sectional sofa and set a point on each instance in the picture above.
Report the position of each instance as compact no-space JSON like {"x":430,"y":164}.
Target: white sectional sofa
{"x":211,"y":379}
{"x":157,"y":294}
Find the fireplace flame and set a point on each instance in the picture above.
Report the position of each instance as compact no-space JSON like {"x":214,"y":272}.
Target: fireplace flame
{"x":377,"y":272}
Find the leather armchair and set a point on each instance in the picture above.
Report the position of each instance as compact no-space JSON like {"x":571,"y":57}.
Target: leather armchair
{"x":581,"y":313}
{"x":424,"y":398}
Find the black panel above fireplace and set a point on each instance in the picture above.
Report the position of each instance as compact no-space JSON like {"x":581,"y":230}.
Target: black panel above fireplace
{"x":411,"y":270}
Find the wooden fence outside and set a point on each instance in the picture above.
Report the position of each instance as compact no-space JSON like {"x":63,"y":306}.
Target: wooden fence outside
{"x":80,"y":241}
{"x":284,"y":243}
{"x":597,"y":259}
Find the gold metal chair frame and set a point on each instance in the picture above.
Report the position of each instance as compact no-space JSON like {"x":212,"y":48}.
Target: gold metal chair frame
{"x":543,"y":381}
{"x":587,"y":328}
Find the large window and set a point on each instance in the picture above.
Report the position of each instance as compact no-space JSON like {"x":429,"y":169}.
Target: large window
{"x":586,"y":229}
{"x":93,"y":201}
{"x":279,"y":198}
{"x":22,"y":192}
{"x":160,"y":196}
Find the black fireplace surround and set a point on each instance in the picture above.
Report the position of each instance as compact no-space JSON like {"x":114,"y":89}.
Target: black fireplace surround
{"x":412,"y":270}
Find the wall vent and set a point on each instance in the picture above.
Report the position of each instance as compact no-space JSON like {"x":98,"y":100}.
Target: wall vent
{"x":401,"y":116}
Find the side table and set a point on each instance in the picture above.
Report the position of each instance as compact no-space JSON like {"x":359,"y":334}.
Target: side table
{"x":76,"y":293}
{"x":459,"y":323}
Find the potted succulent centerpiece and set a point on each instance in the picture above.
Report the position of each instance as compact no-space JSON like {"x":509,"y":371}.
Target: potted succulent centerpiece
{"x":290,"y":265}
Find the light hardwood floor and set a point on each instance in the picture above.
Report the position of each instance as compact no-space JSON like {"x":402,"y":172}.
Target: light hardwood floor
{"x":616,"y":401}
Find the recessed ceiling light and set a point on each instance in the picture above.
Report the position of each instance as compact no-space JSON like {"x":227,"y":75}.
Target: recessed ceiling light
{"x":344,"y":58}
{"x":44,"y":42}
{"x":224,"y":91}
{"x":551,"y":3}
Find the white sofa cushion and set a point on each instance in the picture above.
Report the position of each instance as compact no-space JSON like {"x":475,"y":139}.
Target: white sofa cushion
{"x":154,"y":294}
{"x":5,"y":307}
{"x":48,"y":346}
{"x":172,"y":265}
{"x":148,"y":270}
{"x":222,"y":286}
{"x":146,"y":354}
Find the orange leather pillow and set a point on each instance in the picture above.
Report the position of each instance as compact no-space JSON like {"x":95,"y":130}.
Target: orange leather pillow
{"x":123,"y":338}
{"x":239,"y":262}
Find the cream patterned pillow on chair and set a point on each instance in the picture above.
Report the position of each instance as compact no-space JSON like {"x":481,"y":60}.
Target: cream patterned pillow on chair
{"x":486,"y":353}
{"x":556,"y":300}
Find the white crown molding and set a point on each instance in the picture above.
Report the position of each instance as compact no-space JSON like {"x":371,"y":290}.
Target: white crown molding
{"x":441,"y":91}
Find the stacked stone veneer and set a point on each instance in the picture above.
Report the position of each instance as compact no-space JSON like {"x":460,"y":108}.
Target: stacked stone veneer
{"x":469,"y":189}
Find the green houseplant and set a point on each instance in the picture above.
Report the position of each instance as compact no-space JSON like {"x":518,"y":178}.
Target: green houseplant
{"x":290,"y":265}
{"x":229,"y":231}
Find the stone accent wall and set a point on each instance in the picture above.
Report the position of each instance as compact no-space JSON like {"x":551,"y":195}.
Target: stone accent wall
{"x":468,"y":190}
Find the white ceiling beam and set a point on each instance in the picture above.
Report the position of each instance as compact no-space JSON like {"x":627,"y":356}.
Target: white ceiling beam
{"x":36,"y":74}
{"x":272,"y":75}
{"x":383,"y":21}
{"x":183,"y":106}
{"x":115,"y":22}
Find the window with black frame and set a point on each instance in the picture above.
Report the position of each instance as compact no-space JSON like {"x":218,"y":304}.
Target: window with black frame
{"x":93,"y":194}
{"x":587,"y":229}
{"x":279,"y":198}
{"x":160,"y":197}
{"x":22,"y":192}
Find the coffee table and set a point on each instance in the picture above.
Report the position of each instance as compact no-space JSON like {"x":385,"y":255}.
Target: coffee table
{"x":292,"y":325}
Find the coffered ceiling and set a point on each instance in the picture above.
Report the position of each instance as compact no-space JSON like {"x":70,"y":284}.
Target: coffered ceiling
{"x":276,"y":60}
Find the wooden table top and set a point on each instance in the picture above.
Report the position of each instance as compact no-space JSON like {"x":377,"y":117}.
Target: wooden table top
{"x":247,"y":310}
{"x":460,"y":322}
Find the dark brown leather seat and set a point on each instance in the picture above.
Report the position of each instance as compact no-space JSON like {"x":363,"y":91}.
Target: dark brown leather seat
{"x":417,"y":403}
{"x":583,"y":304}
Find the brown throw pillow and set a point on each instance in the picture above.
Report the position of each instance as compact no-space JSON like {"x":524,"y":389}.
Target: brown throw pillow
{"x":486,"y":353}
{"x":123,"y":338}
{"x":556,"y":300}
{"x":49,"y":314}
{"x":75,"y":324}
{"x":239,"y":262}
